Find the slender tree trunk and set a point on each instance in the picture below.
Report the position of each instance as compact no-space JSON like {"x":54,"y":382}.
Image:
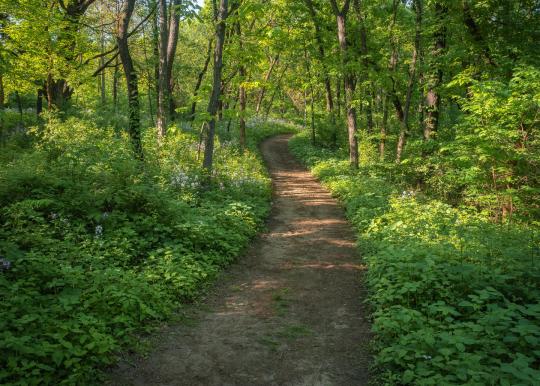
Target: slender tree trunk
{"x":39,"y":102}
{"x":384,"y":125}
{"x":305,"y":108}
{"x":273,"y":63}
{"x":216,"y":85}
{"x":174,"y":22}
{"x":434,"y":80}
{"x":242,"y":92}
{"x":131,"y":76}
{"x":322,"y":56}
{"x":338,"y":96}
{"x":278,"y":86}
{"x":311,"y":101}
{"x":365,"y":63}
{"x":155,"y":49}
{"x":348,"y":80}
{"x":116,"y":76}
{"x":149,"y":75}
{"x":200,"y":78}
{"x":19,"y":108}
{"x":102,"y":60}
{"x":162,"y":108}
{"x":404,"y":132}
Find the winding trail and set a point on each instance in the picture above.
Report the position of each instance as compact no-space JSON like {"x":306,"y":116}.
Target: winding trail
{"x":288,"y":313}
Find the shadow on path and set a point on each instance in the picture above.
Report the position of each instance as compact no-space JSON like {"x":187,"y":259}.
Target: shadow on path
{"x":288,"y":313}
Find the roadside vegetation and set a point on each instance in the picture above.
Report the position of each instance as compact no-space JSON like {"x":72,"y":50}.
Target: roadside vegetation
{"x":130,"y":175}
{"x":454,"y":295}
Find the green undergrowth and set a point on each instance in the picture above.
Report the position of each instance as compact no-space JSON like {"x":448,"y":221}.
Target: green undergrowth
{"x":455,"y":296}
{"x":97,"y":247}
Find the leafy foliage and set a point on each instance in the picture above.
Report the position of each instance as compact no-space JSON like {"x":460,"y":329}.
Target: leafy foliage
{"x":455,"y":296}
{"x":101,"y":246}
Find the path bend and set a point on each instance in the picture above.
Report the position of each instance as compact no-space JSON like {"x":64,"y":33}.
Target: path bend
{"x":288,"y":313}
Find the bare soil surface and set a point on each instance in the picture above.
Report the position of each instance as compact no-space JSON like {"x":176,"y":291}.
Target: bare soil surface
{"x":289,"y":312}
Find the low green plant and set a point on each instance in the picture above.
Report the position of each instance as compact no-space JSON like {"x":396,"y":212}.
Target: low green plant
{"x":97,"y":246}
{"x":455,"y":296}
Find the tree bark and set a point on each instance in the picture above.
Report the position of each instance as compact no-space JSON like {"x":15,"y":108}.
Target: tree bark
{"x":434,"y":80}
{"x":404,"y":132}
{"x":131,"y":77}
{"x":278,"y":86}
{"x":174,"y":22}
{"x":273,"y":63}
{"x":102,"y":60}
{"x":116,"y":76}
{"x":341,"y":19}
{"x":162,"y":107}
{"x":58,"y":90}
{"x":365,"y":62}
{"x":216,"y":85}
{"x":383,"y":130}
{"x":200,"y":78}
{"x":242,"y":98}
{"x":322,"y":56}
{"x":39,"y":102}
{"x":475,"y":32}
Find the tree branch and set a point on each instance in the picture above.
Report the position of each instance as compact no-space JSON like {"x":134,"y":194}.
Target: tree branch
{"x":105,"y":65}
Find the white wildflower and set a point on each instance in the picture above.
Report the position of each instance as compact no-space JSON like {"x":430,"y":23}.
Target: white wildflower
{"x":98,"y":231}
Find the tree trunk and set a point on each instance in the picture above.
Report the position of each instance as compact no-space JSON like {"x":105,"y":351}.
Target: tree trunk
{"x":216,"y":85}
{"x":39,"y":102}
{"x":58,"y":90}
{"x":278,"y":86}
{"x":365,"y":63}
{"x":200,"y":77}
{"x":384,"y":124}
{"x":19,"y":108}
{"x":58,"y":93}
{"x":322,"y":56}
{"x":434,"y":80}
{"x":102,"y":60}
{"x":174,"y":22}
{"x":116,"y":76}
{"x":348,"y":80}
{"x":404,"y":132}
{"x":273,"y":63}
{"x":149,"y":76}
{"x":131,"y":77}
{"x":338,"y":96}
{"x":242,"y":93}
{"x":162,"y":108}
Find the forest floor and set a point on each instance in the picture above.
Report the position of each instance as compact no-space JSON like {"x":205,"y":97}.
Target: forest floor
{"x":289,"y":312}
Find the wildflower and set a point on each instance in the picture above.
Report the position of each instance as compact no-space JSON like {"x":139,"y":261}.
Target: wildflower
{"x":5,"y":264}
{"x":427,"y":357}
{"x":182,"y":180}
{"x":408,"y":194}
{"x":98,"y":231}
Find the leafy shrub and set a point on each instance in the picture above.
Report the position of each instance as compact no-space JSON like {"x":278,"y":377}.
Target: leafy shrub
{"x":101,"y":246}
{"x":455,"y":296}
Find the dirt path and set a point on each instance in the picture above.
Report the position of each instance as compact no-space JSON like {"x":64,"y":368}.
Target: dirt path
{"x":288,"y":313}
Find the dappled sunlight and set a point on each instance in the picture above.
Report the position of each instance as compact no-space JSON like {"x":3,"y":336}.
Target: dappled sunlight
{"x":324,"y":265}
